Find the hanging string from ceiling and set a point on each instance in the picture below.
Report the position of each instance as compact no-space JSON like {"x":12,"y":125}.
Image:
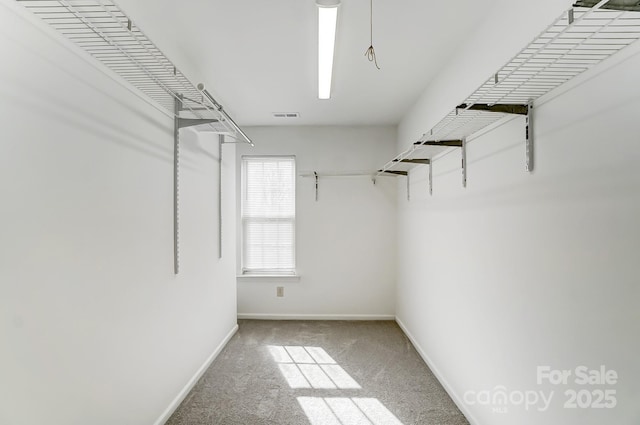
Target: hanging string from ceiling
{"x":371,"y":53}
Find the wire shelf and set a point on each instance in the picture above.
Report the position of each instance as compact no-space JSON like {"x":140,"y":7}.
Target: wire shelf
{"x":104,"y":31}
{"x":578,"y":40}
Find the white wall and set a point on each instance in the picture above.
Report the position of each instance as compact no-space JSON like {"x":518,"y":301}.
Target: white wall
{"x":346,"y":242}
{"x":95,"y":327}
{"x":523,"y":270}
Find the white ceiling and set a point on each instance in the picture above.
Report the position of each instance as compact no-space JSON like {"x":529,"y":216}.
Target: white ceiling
{"x":258,"y":57}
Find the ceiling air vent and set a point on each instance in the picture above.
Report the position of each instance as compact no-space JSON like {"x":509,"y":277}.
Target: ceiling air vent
{"x":285,"y":115}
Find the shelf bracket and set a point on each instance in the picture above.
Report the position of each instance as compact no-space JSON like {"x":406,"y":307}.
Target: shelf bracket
{"x":190,"y":122}
{"x":315,"y":175}
{"x":425,"y":161}
{"x":529,"y":137}
{"x":504,"y":108}
{"x":408,"y":186}
{"x":457,"y":143}
{"x":397,"y":173}
{"x":621,"y":5}
{"x":447,"y":143}
{"x":414,"y":161}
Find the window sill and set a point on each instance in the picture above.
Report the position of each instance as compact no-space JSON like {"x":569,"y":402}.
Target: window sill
{"x":268,"y":278}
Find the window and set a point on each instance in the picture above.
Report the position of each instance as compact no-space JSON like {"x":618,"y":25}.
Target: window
{"x":268,"y":214}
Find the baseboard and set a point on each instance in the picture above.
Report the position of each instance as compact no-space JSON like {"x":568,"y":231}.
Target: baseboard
{"x":454,"y":396}
{"x":261,"y":316}
{"x":194,"y":379}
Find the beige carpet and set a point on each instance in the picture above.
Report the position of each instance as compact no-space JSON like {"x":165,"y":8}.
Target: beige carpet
{"x":318,"y":373}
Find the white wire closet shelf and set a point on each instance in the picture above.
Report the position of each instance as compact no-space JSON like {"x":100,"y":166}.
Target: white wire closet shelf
{"x":582,"y":37}
{"x":104,"y":31}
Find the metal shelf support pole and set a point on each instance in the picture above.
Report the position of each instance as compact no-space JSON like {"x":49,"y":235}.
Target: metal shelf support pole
{"x":464,"y":162}
{"x":176,"y":176}
{"x":179,"y":123}
{"x":529,"y":137}
{"x":220,"y":143}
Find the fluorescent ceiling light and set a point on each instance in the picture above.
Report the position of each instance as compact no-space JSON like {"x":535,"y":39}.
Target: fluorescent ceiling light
{"x":327,"y":18}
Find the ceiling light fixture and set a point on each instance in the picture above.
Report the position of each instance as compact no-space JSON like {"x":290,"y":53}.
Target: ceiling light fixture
{"x":327,"y":19}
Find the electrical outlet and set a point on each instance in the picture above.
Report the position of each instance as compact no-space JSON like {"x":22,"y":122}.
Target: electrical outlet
{"x":280,"y":291}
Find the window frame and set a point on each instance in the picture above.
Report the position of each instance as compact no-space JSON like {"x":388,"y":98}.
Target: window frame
{"x":267,"y":272}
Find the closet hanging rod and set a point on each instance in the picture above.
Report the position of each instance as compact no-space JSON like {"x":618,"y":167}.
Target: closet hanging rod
{"x":220,"y":109}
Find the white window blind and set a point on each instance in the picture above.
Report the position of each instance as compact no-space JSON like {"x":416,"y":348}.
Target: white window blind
{"x":268,"y":214}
